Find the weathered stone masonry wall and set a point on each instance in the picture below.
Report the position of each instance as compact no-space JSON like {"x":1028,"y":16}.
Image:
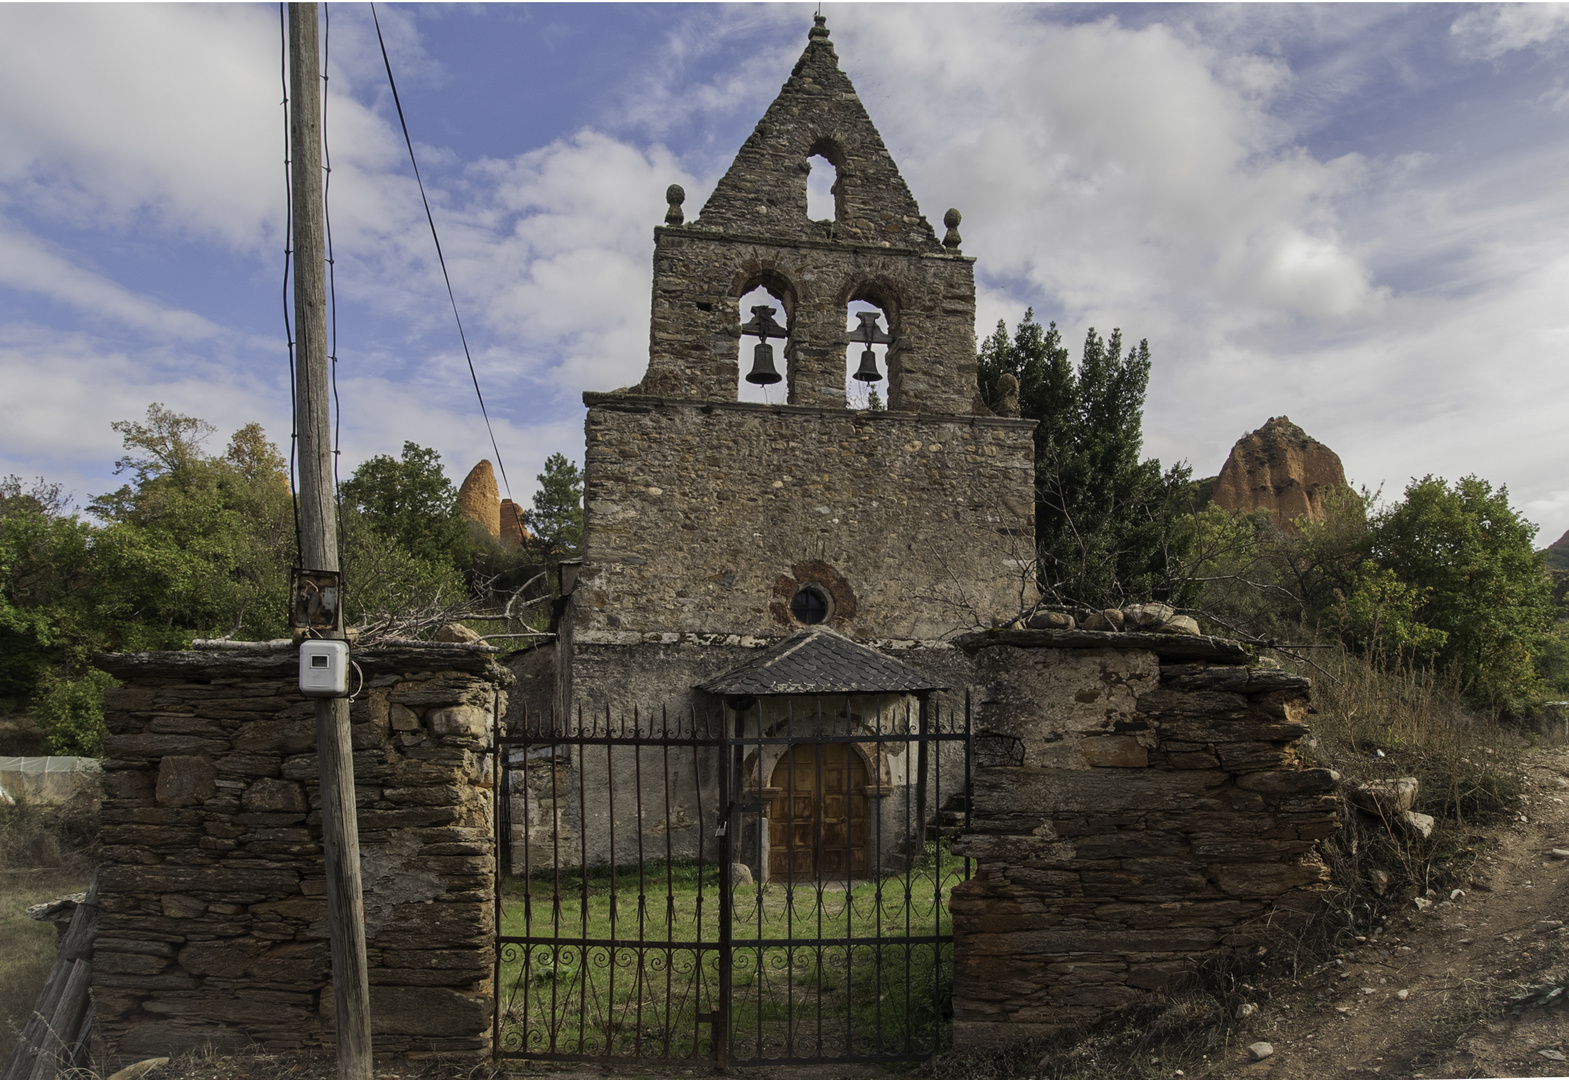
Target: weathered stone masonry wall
{"x":703,"y":518}
{"x":928,"y":300}
{"x":1132,"y":814}
{"x":212,"y":925}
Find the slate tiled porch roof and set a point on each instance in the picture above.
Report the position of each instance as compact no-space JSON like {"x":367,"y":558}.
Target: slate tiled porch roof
{"x":820,"y":661}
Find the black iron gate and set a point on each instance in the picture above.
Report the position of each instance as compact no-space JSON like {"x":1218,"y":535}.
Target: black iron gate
{"x":758,"y":888}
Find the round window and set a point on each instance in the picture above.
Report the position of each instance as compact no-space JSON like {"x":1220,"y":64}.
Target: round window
{"x":811,"y":604}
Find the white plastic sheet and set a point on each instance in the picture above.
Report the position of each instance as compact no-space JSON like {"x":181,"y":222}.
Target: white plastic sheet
{"x":42,"y":779}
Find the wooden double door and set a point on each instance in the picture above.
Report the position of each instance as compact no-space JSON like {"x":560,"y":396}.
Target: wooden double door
{"x":819,"y":823}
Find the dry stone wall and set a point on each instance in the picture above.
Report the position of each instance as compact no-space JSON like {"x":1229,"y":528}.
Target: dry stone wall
{"x":1136,"y":807}
{"x":213,"y":916}
{"x":705,"y":518}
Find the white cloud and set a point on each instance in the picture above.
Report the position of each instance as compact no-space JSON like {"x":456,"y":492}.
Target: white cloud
{"x":1496,"y":29}
{"x":1116,"y":170}
{"x":112,"y":114}
{"x":29,"y":265}
{"x":63,"y":390}
{"x":684,"y":87}
{"x":565,"y":262}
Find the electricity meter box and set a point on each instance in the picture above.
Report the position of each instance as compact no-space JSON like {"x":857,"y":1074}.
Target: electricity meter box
{"x":324,"y":668}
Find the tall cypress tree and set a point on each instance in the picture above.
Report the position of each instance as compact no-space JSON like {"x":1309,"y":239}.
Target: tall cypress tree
{"x":1105,"y":520}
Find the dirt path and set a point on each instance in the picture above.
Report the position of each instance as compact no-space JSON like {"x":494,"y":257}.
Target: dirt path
{"x":1405,"y":1002}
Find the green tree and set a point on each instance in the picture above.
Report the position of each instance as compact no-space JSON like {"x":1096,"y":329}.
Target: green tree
{"x":1469,"y":555}
{"x":410,"y":501}
{"x":45,"y":568}
{"x":166,"y":443}
{"x":193,"y":545}
{"x":556,"y":518}
{"x":1108,"y":524}
{"x":1380,"y":616}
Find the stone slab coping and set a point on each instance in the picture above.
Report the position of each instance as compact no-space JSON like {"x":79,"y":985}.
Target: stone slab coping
{"x":277,"y":645}
{"x":374,"y":660}
{"x":698,"y":232}
{"x":1168,"y":646}
{"x":626,"y":401}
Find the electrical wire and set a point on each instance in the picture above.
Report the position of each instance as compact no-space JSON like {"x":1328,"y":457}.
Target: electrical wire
{"x":391,"y":82}
{"x":288,"y":257}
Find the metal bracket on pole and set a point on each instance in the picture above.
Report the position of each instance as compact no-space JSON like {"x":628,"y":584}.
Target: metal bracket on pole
{"x":316,"y":603}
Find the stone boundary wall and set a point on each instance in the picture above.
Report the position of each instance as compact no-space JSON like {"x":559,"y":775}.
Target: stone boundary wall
{"x":213,"y":914}
{"x":1132,"y":814}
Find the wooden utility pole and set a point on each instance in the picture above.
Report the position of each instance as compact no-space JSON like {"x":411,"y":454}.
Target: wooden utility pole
{"x":319,"y":545}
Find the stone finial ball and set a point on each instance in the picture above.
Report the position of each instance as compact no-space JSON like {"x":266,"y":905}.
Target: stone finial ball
{"x":819,"y":27}
{"x":675,"y":194}
{"x":952,"y":218}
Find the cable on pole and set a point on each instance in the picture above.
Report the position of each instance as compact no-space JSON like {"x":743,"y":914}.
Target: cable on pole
{"x":391,"y":82}
{"x":288,"y":257}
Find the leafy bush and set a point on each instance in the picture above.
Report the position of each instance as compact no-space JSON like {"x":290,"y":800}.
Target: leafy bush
{"x":71,"y":713}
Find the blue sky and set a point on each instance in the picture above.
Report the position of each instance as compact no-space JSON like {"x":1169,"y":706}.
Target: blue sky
{"x":1354,"y":215}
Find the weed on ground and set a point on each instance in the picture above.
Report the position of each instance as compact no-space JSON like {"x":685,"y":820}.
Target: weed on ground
{"x":45,"y":852}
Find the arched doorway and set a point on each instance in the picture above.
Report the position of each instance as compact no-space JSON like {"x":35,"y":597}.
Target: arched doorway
{"x":819,"y":823}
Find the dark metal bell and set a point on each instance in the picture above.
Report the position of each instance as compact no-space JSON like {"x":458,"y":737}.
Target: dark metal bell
{"x":868,"y":372}
{"x":763,"y":372}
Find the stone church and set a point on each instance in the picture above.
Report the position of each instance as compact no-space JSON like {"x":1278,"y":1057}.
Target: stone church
{"x":721,"y":535}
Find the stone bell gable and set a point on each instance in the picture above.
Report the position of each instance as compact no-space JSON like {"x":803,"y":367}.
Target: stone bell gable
{"x":714,"y":526}
{"x":754,"y":231}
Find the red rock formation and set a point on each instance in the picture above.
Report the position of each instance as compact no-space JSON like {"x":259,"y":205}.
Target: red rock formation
{"x":479,"y":500}
{"x":513,"y":532}
{"x":1279,"y":468}
{"x":1558,"y":553}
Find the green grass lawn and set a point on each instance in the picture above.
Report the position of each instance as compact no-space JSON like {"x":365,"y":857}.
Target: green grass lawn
{"x":635,"y":962}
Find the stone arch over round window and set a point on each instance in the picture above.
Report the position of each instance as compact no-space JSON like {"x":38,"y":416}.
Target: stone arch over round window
{"x":766,"y":288}
{"x":815,"y":576}
{"x":825,"y":180}
{"x":872,"y":325}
